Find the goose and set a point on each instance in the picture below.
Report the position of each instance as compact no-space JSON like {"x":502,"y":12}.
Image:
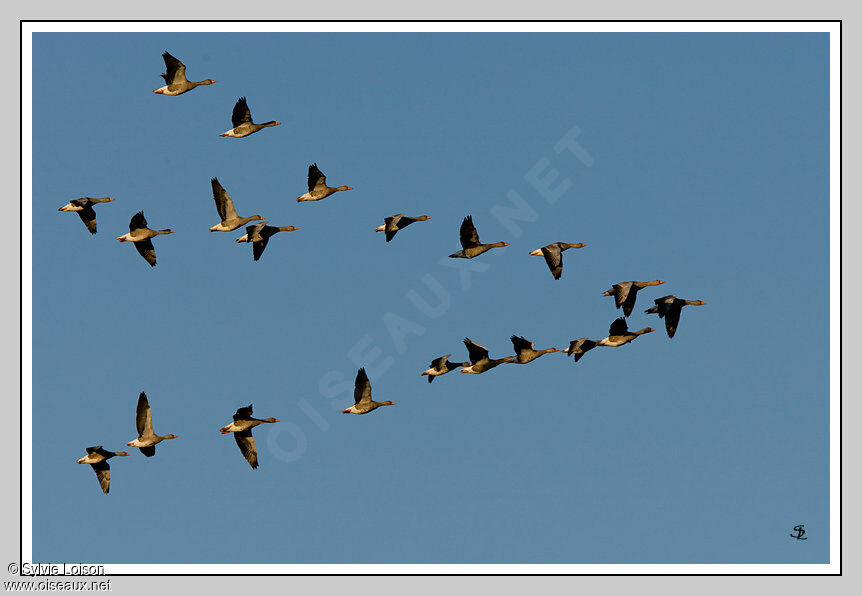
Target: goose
{"x":317,"y":188}
{"x":625,"y":293}
{"x":175,"y":78}
{"x":362,"y":396}
{"x":140,"y":234}
{"x":398,"y":222}
{"x":226,"y":211}
{"x":147,"y":438}
{"x":241,"y":429}
{"x":259,"y":235}
{"x":470,"y":241}
{"x":479,"y":358}
{"x":441,"y":366}
{"x":553,"y":254}
{"x":84,"y":208}
{"x":98,"y":458}
{"x":579,"y":347}
{"x":241,"y":120}
{"x":619,"y":334}
{"x":670,"y":307}
{"x":525,"y":350}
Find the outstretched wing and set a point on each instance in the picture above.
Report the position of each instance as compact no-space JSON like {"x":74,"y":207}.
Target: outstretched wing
{"x":469,"y":235}
{"x":145,"y":248}
{"x":137,"y":222}
{"x":554,"y":258}
{"x":103,"y":473}
{"x":144,"y":417}
{"x":246,"y":445}
{"x":618,"y":327}
{"x":258,"y":246}
{"x":521,"y":344}
{"x":241,"y":113}
{"x":243,"y":413}
{"x":671,"y":320}
{"x":477,"y":351}
{"x":316,"y":179}
{"x":438,"y":363}
{"x":175,"y":71}
{"x":88,"y":216}
{"x":224,"y":204}
{"x":392,"y":226}
{"x":361,"y":387}
{"x":148,"y":451}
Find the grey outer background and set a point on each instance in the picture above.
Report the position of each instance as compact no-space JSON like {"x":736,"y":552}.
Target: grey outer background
{"x":440,"y":9}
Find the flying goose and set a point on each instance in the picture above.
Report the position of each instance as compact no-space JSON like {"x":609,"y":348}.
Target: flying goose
{"x":619,"y":334}
{"x":470,"y":241}
{"x":241,"y":429}
{"x":670,"y":307}
{"x":625,"y":293}
{"x":525,"y":350}
{"x":317,"y":188}
{"x":259,"y":235}
{"x":98,"y":458}
{"x":175,"y":78}
{"x":441,"y":366}
{"x":84,"y":208}
{"x":140,"y":234}
{"x":147,"y":438}
{"x":553,"y":254}
{"x":226,"y":211}
{"x":362,"y":396}
{"x":398,"y":222}
{"x":579,"y":347}
{"x":479,"y":358}
{"x":241,"y":120}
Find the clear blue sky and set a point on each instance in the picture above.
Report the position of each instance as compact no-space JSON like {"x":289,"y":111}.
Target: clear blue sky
{"x":703,"y":164}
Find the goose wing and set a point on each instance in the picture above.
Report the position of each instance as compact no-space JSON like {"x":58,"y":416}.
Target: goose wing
{"x":361,"y":387}
{"x":477,"y":351}
{"x":243,"y":413}
{"x":671,"y":319}
{"x":103,"y":473}
{"x":146,"y":250}
{"x":469,"y":235}
{"x":223,"y":202}
{"x":621,"y":292}
{"x":258,"y":246}
{"x":316,"y":178}
{"x":138,"y":222}
{"x":246,"y":445}
{"x":438,"y":363}
{"x":175,"y":71}
{"x":241,"y":113}
{"x":88,"y":216}
{"x":521,"y":344}
{"x":554,"y":258}
{"x":144,"y":417}
{"x":392,"y":226}
{"x":618,"y":327}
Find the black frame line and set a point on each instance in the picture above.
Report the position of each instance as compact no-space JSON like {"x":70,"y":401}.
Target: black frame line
{"x":840,"y":22}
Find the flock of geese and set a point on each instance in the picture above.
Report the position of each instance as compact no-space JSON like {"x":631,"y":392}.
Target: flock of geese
{"x":258,"y":234}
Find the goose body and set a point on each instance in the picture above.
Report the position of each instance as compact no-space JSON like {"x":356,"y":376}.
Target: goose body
{"x":471,"y":246}
{"x":241,"y":427}
{"x":670,"y":307}
{"x":441,"y":366}
{"x":625,"y":293}
{"x":147,"y":438}
{"x":362,"y":396}
{"x":140,"y":234}
{"x":553,"y":254}
{"x":525,"y":350}
{"x":176,"y":82}
{"x":398,"y":222}
{"x":480,"y":362}
{"x":98,"y":459}
{"x":619,"y":334}
{"x":226,"y":211}
{"x":259,"y":235}
{"x":84,"y":208}
{"x":242,"y":122}
{"x":579,"y":347}
{"x":317,"y":188}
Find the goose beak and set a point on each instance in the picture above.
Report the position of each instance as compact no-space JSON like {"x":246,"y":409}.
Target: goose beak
{"x":505,"y":244}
